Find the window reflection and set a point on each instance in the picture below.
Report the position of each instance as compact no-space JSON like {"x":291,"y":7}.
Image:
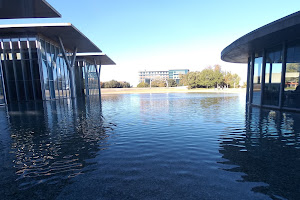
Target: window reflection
{"x":257,"y":81}
{"x":291,"y":86}
{"x":2,"y":100}
{"x":273,"y":77}
{"x":56,"y":75}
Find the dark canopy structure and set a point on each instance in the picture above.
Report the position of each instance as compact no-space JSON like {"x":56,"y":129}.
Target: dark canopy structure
{"x":71,"y":36}
{"x":12,"y":9}
{"x":99,"y":58}
{"x":283,"y":30}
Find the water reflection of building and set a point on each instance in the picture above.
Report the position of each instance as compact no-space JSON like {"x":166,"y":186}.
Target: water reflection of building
{"x":42,"y":61}
{"x":268,"y":152}
{"x":50,"y":143}
{"x":273,"y":56}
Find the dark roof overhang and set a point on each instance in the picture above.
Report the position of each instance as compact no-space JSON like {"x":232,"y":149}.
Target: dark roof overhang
{"x":12,"y":9}
{"x":70,"y":35}
{"x":99,"y":58}
{"x":283,"y":30}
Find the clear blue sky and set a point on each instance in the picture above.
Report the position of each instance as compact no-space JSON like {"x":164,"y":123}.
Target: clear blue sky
{"x":165,"y":34}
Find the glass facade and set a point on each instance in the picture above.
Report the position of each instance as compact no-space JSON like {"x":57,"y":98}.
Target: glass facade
{"x":2,"y":92}
{"x":273,"y":71}
{"x":90,"y":84}
{"x":34,"y":68}
{"x":257,"y":80}
{"x":20,"y":69}
{"x":292,"y":76}
{"x":56,"y":79}
{"x":277,"y":72}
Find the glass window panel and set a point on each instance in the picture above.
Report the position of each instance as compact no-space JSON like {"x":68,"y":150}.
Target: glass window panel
{"x":248,"y":80}
{"x":26,"y":67}
{"x":38,"y":89}
{"x":15,"y":45}
{"x":34,"y":54}
{"x":52,"y":90}
{"x":9,"y":68}
{"x":48,"y":57}
{"x":292,"y":76}
{"x":54,"y":65}
{"x":19,"y":70}
{"x":47,"y":89}
{"x":36,"y":69}
{"x":21,"y":90}
{"x":43,"y":49}
{"x":257,"y":81}
{"x":2,"y":100}
{"x":13,"y":91}
{"x":32,"y":44}
{"x":6,"y":45}
{"x":29,"y":90}
{"x":273,"y":77}
{"x":45,"y":70}
{"x":62,"y":69}
{"x":60,"y":89}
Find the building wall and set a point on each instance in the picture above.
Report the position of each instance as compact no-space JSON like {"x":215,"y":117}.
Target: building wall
{"x":145,"y":76}
{"x":34,"y":68}
{"x":90,"y":84}
{"x":55,"y":74}
{"x":274,"y":76}
{"x":20,"y":69}
{"x":175,"y":74}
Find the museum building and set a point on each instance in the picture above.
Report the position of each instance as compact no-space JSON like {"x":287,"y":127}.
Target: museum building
{"x":46,"y":61}
{"x":272,"y":53}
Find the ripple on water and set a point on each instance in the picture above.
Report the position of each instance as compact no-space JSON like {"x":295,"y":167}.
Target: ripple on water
{"x":149,"y":146}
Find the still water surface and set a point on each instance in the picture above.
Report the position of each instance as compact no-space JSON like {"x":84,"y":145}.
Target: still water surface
{"x":149,"y":146}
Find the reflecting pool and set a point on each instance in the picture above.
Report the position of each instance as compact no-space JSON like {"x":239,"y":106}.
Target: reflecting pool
{"x":149,"y":146}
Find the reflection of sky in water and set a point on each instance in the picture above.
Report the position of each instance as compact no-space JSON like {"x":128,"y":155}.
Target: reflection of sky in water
{"x":153,"y":146}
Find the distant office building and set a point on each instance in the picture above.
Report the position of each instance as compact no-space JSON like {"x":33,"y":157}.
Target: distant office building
{"x":175,"y":74}
{"x":146,"y":76}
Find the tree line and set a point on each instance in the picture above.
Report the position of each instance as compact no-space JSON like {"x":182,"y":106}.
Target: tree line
{"x":210,"y":77}
{"x":115,"y":84}
{"x":207,"y":78}
{"x":159,"y":83}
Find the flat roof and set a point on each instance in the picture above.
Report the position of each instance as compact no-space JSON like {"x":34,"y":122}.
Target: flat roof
{"x":12,"y":9}
{"x":283,"y":30}
{"x":69,"y":34}
{"x":100,"y":58}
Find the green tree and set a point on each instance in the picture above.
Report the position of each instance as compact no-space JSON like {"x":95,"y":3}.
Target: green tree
{"x":183,"y":79}
{"x":142,"y":85}
{"x":207,"y":78}
{"x":235,"y":80}
{"x":217,"y":75}
{"x":193,"y":79}
{"x":112,"y":84}
{"x":227,"y":78}
{"x":115,"y":84}
{"x":158,"y":83}
{"x":172,"y":83}
{"x":125,"y":84}
{"x":292,"y":67}
{"x":231,"y":80}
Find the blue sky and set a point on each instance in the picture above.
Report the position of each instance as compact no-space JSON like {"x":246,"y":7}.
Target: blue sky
{"x":165,"y":34}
